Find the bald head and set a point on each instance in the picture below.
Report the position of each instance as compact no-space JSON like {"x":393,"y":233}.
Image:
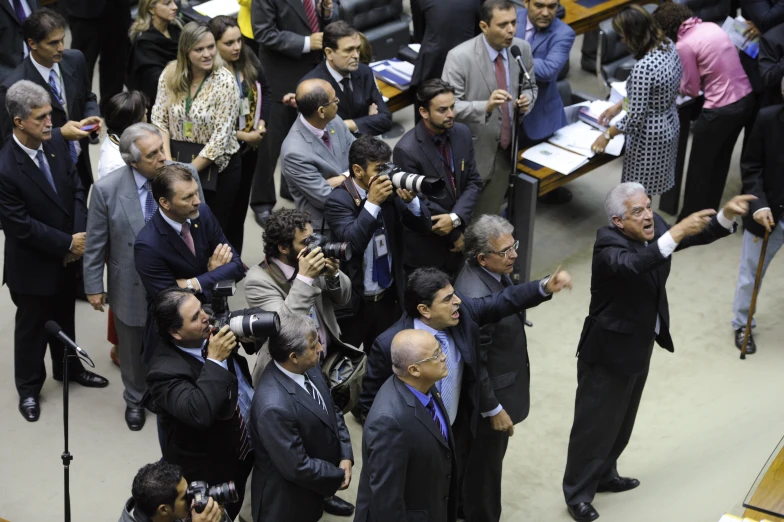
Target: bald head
{"x":313,"y":94}
{"x":410,"y":346}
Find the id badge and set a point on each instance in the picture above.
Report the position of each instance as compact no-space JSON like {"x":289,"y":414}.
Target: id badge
{"x":187,"y":129}
{"x":625,"y":105}
{"x":381,"y":244}
{"x":244,"y":107}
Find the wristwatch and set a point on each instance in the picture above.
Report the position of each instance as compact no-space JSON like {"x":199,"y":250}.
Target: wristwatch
{"x":543,"y":284}
{"x":607,"y":135}
{"x":456,"y":221}
{"x":190,"y":285}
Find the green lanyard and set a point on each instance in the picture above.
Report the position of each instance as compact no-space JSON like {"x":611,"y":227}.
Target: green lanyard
{"x":189,"y":101}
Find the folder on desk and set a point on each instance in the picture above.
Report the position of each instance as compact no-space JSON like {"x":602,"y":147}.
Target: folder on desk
{"x":555,"y":158}
{"x":396,"y":73}
{"x":579,"y":136}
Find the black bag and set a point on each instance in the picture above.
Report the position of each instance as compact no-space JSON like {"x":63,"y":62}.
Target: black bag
{"x":185,"y":152}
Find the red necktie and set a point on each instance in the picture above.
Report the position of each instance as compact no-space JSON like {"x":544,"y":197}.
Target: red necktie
{"x":506,"y":121}
{"x":187,"y":237}
{"x":310,"y":13}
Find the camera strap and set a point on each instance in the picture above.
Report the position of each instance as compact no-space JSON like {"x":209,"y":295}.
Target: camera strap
{"x":352,"y":191}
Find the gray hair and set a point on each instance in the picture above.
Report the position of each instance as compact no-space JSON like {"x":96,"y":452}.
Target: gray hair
{"x":479,"y":234}
{"x":406,"y":349}
{"x":128,"y":149}
{"x":615,"y":202}
{"x":296,"y":332}
{"x":23,"y":97}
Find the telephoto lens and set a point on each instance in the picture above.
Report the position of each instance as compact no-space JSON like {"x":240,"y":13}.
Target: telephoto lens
{"x":429,"y":186}
{"x":254,"y":323}
{"x":339,"y":251}
{"x":199,"y":492}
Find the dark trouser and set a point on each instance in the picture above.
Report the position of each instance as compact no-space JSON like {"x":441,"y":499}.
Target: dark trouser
{"x":463,"y":441}
{"x":224,"y":197}
{"x":604,"y":412}
{"x":244,"y":467}
{"x":279,"y":123}
{"x":715,"y":134}
{"x":372,"y":318}
{"x":239,"y":209}
{"x":31,"y":339}
{"x":106,"y":35}
{"x":481,"y":487}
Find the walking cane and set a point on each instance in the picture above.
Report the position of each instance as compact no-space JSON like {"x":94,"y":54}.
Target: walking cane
{"x":757,"y":281}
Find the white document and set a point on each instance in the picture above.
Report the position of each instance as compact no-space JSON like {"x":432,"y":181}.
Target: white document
{"x":415,"y":47}
{"x":555,"y":158}
{"x":403,"y":68}
{"x":578,"y":138}
{"x":215,"y":8}
{"x":618,"y":92}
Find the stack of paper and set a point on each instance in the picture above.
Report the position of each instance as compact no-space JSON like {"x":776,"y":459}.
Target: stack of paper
{"x":556,"y":158}
{"x":578,"y":138}
{"x":214,"y":8}
{"x":394,"y":72}
{"x":735,"y":28}
{"x":591,"y":113}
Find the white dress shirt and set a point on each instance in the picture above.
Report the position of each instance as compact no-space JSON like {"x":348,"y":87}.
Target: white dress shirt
{"x":33,"y":153}
{"x":337,"y":76}
{"x":300,"y":380}
{"x":44,"y":72}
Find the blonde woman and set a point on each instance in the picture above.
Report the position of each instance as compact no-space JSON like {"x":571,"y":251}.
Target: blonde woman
{"x":197,"y":108}
{"x":154,"y":36}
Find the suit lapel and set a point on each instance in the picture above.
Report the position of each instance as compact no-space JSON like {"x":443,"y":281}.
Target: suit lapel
{"x":32,"y":74}
{"x":430,"y":151}
{"x":315,"y":376}
{"x":7,"y":6}
{"x":129,"y":200}
{"x":70,"y":84}
{"x":637,"y":247}
{"x":29,"y":168}
{"x":174,"y":240}
{"x":420,"y":412}
{"x":462,"y":344}
{"x":486,"y":68}
{"x":299,"y":8}
{"x":541,"y":37}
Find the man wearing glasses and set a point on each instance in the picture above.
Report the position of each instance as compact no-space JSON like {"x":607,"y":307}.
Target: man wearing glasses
{"x":314,"y":155}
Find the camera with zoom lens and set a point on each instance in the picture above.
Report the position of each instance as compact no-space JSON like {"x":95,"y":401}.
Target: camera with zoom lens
{"x":339,"y":251}
{"x":199,"y":492}
{"x":249,"y":324}
{"x":429,"y":186}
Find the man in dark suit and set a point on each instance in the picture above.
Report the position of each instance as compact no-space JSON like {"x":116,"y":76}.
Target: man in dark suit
{"x":364,"y":212}
{"x":100,"y":27}
{"x":202,"y":390}
{"x":361,"y":105}
{"x":628,"y":312}
{"x":490,"y":251}
{"x":761,"y":175}
{"x":303,"y":450}
{"x":183,"y":244}
{"x":62,"y":72}
{"x":441,"y":148}
{"x":408,"y":448}
{"x":771,"y":64}
{"x":13,"y":48}
{"x":290,"y":39}
{"x":43,"y":211}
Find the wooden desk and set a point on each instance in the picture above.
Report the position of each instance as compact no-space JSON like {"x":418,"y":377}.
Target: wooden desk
{"x":767,"y":499}
{"x":584,"y":19}
{"x":397,"y":99}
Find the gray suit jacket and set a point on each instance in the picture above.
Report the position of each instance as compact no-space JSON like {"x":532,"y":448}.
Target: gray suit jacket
{"x":469,"y":69}
{"x":114,"y":218}
{"x":307,"y":163}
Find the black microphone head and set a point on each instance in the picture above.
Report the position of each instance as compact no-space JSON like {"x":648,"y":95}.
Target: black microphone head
{"x":515,"y":51}
{"x":52,"y":328}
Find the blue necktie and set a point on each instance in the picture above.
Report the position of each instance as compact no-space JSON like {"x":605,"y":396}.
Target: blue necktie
{"x":149,"y":203}
{"x":45,"y":169}
{"x":56,"y":92}
{"x":449,"y":385}
{"x":20,"y":12}
{"x":381,"y":273}
{"x":431,"y":408}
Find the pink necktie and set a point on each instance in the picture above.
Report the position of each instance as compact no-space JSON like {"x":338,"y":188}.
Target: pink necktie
{"x":187,"y":237}
{"x":506,"y":121}
{"x":310,"y":13}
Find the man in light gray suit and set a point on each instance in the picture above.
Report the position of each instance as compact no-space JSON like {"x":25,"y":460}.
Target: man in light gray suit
{"x":119,"y":208}
{"x":314,"y":156}
{"x":485,"y":76}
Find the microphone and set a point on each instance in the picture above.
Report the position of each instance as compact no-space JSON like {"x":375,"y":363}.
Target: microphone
{"x":517,"y":55}
{"x":53,"y":329}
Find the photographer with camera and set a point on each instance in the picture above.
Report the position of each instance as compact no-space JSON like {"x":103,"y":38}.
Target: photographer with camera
{"x":202,"y":390}
{"x":160,"y":494}
{"x":364,"y":212}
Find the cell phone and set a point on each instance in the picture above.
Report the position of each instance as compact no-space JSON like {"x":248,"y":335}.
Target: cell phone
{"x":89,"y":128}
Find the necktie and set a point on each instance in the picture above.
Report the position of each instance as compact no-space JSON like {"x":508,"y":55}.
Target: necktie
{"x":327,"y":141}
{"x":450,"y":394}
{"x":187,"y":237}
{"x":310,"y":14}
{"x":381,"y":273}
{"x":313,"y":393}
{"x":45,"y":169}
{"x":20,"y":12}
{"x":56,"y":92}
{"x":431,"y":409}
{"x":149,"y":203}
{"x":245,"y":447}
{"x":506,"y":120}
{"x":348,"y":95}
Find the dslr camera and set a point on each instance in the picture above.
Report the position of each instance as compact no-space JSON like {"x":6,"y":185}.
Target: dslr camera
{"x":248,"y":325}
{"x":429,"y":186}
{"x":199,"y":492}
{"x":339,"y":251}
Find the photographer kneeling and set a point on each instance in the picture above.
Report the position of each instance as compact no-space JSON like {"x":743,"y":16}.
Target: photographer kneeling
{"x":202,"y":389}
{"x":159,"y":494}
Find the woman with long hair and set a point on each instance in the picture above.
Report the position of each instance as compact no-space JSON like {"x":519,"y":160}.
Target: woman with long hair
{"x":651,"y":124}
{"x":197,"y":108}
{"x":255,"y":102}
{"x":154,"y":36}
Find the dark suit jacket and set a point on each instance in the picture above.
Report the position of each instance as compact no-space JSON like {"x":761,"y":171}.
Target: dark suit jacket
{"x":766,"y":14}
{"x":761,"y":164}
{"x":37,"y":221}
{"x":280,"y":27}
{"x":771,"y":64}
{"x":354,"y":105}
{"x":85,"y":8}
{"x":628,"y":292}
{"x":416,"y":152}
{"x":297,"y":445}
{"x":11,"y":39}
{"x":409,"y":471}
{"x":79,"y":97}
{"x":504,"y":345}
{"x":198,"y":412}
{"x":348,"y":223}
{"x":477,"y":394}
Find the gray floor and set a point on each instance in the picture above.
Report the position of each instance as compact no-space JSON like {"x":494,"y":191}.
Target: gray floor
{"x":706,"y":425}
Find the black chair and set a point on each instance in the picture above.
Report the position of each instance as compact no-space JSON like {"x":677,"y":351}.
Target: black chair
{"x":382,"y":21}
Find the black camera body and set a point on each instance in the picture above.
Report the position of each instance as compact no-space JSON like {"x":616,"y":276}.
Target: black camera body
{"x":199,"y":492}
{"x":429,"y":186}
{"x":339,"y":251}
{"x":248,"y":325}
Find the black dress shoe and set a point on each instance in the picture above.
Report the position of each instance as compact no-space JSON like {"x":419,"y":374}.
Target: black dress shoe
{"x":582,"y":512}
{"x":29,"y":408}
{"x":86,"y":379}
{"x":335,"y":505}
{"x":618,"y":485}
{"x":751,"y":347}
{"x":134,"y":418}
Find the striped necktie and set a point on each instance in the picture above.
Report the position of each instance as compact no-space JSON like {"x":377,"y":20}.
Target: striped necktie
{"x":314,"y":393}
{"x":149,"y":202}
{"x":431,"y":409}
{"x":310,"y":14}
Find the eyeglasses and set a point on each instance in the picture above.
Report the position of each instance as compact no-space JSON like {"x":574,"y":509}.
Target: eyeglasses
{"x":438,"y":355}
{"x":335,"y":101}
{"x":505,"y":253}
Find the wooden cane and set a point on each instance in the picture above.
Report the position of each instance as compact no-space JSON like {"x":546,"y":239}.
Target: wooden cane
{"x":754,"y":292}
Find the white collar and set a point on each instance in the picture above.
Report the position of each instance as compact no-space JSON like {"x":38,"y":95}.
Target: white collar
{"x":30,"y":152}
{"x":140,"y":181}
{"x":44,"y":71}
{"x":419,"y":325}
{"x":313,"y":130}
{"x":492,"y":52}
{"x":360,"y":191}
{"x":296,"y":377}
{"x":336,"y":75}
{"x":176,"y":226}
{"x":497,"y":277}
{"x":288,"y":271}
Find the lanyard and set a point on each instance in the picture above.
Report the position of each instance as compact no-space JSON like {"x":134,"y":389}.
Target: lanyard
{"x":239,"y":82}
{"x":189,"y":101}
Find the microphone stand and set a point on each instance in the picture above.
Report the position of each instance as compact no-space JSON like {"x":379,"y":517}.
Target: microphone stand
{"x":510,"y":209}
